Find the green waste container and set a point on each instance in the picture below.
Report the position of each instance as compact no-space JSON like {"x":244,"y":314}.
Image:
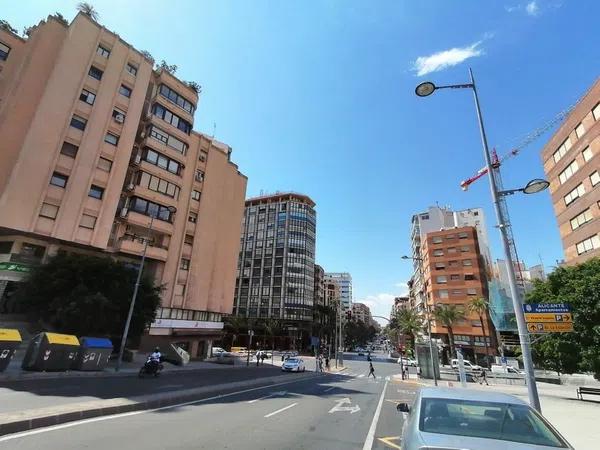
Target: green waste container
{"x":93,"y":354}
{"x":51,"y":352}
{"x":9,"y":341}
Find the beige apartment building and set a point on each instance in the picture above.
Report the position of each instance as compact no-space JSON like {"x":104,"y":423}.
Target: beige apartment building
{"x":572,"y":164}
{"x":362,"y":313}
{"x":95,"y":146}
{"x":453,"y":269}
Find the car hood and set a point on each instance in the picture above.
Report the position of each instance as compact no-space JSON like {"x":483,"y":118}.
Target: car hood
{"x":450,"y":442}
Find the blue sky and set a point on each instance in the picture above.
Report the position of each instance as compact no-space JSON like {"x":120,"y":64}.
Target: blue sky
{"x":318,"y":97}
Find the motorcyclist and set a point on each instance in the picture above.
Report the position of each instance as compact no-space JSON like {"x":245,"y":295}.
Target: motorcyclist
{"x":155,"y":358}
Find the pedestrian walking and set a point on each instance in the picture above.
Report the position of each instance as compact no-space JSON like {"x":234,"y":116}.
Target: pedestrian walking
{"x":327,"y":363}
{"x":320,"y":363}
{"x":371,"y":370}
{"x":483,"y":377}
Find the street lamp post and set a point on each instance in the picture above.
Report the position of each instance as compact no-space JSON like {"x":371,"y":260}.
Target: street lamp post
{"x":424,"y":90}
{"x":135,"y":290}
{"x":428,"y":328}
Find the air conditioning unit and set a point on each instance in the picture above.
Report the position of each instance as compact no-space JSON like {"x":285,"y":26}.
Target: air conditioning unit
{"x":120,"y":118}
{"x":124,"y":212}
{"x":130,"y":187}
{"x":138,"y":158}
{"x":143,"y":134}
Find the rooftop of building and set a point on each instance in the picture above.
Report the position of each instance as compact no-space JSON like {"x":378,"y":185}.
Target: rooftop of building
{"x":280,"y":197}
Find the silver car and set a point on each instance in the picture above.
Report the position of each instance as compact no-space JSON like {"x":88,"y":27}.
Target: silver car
{"x":469,"y":419}
{"x":293,"y":365}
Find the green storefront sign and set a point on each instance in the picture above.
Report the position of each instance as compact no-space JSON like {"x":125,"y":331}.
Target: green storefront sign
{"x":14,"y":267}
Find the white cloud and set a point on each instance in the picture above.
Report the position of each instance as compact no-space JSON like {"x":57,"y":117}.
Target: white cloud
{"x":381,"y":304}
{"x":512,"y":8}
{"x":446,"y":58}
{"x":532,"y":8}
{"x":402,"y":286}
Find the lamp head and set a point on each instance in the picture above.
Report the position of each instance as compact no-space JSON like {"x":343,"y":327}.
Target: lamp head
{"x":535,"y":186}
{"x":425,"y":89}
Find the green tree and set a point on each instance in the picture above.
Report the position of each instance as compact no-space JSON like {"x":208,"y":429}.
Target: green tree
{"x":272,"y":327}
{"x":409,"y":322}
{"x":448,"y":315}
{"x":89,"y":10}
{"x":580,"y":287}
{"x":480,"y":306}
{"x":88,"y":295}
{"x":235,"y":325}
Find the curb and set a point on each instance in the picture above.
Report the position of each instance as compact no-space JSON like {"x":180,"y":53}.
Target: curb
{"x":38,"y":418}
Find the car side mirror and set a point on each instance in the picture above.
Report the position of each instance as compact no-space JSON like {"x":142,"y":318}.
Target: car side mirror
{"x":403,"y":407}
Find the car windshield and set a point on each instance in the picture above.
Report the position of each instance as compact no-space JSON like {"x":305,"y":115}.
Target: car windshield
{"x":509,"y":422}
{"x":292,"y":360}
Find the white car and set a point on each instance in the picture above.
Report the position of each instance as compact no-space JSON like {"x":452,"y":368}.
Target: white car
{"x":497,"y":368}
{"x":468,"y":365}
{"x":407,"y":362}
{"x":293,"y":365}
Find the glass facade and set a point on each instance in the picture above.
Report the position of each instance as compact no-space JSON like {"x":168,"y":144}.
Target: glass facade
{"x":276,"y":262}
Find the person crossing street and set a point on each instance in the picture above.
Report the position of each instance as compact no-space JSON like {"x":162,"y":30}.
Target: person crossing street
{"x":371,"y":370}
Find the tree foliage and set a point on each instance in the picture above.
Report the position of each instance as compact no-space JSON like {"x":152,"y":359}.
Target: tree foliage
{"x":580,"y":287}
{"x":58,"y":16}
{"x":194,"y":86}
{"x":171,"y":68}
{"x":448,"y":315}
{"x":88,"y":295}
{"x":357,"y":333}
{"x":89,"y":10}
{"x":480,"y":306}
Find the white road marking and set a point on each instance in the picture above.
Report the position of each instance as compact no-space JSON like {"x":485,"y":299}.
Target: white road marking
{"x":339,"y":407}
{"x":362,"y":375}
{"x":268,"y":396}
{"x":10,"y":437}
{"x":281,"y":410}
{"x":329,"y":389}
{"x":371,"y":434}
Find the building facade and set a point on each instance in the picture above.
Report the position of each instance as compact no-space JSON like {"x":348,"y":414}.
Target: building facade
{"x":277,"y":261}
{"x":400,"y":303}
{"x":319,"y":289}
{"x":362,"y":313}
{"x":454,"y":274}
{"x":96,"y":147}
{"x":344,"y":281}
{"x":571,"y":161}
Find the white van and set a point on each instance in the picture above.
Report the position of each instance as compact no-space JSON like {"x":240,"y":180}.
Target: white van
{"x":497,"y":368}
{"x":468,"y":365}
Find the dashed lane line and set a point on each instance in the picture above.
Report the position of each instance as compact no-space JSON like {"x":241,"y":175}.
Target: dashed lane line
{"x":280,"y":410}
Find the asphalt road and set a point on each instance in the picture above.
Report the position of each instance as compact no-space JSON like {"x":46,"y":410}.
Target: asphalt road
{"x":345,"y":411}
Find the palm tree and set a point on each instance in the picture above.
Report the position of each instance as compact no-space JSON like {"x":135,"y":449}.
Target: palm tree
{"x":234,"y":326}
{"x":480,"y":307}
{"x":448,"y":315}
{"x":272,"y":327}
{"x":409,"y":321}
{"x":89,"y":10}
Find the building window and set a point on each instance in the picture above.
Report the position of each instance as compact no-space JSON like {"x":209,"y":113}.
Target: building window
{"x":95,"y":73}
{"x":96,"y":192}
{"x":581,"y":219}
{"x":78,"y":122}
{"x":470,"y":277}
{"x":441,"y":279}
{"x":189,"y":239}
{"x":112,"y":139}
{"x":192,"y":217}
{"x":152,"y":209}
{"x":58,"y":179}
{"x":87,"y":97}
{"x":596,"y":112}
{"x":580,"y":130}
{"x":438,"y":252}
{"x":465,"y":249}
{"x":588,"y":245}
{"x":166,"y":115}
{"x":471,"y":291}
{"x":185,"y":264}
{"x":4,"y":51}
{"x":587,"y":154}
{"x":453,"y":263}
{"x":160,"y":160}
{"x":167,"y":139}
{"x":157,"y":184}
{"x":199,"y":176}
{"x":203,"y":155}
{"x":49,"y":211}
{"x":195,"y":195}
{"x":69,"y":149}
{"x":595,"y":178}
{"x":125,"y":91}
{"x":443,"y":293}
{"x":437,"y":240}
{"x":574,"y":194}
{"x":104,"y":164}
{"x":87,"y":221}
{"x":467,"y":262}
{"x":177,"y":99}
{"x":568,"y":172}
{"x":118,"y":115}
{"x":562,"y":150}
{"x":457,"y":291}
{"x":102,"y":51}
{"x":131,"y":69}
{"x":440,"y":265}
{"x":451,"y":249}
{"x":463,"y":235}
{"x":454,"y":277}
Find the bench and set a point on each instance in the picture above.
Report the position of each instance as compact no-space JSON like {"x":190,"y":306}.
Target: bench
{"x":587,"y":390}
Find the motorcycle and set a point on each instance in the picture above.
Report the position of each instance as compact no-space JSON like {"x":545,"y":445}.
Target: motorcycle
{"x":150,"y":367}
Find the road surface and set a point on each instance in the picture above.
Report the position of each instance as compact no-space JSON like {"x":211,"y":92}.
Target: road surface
{"x":345,"y":411}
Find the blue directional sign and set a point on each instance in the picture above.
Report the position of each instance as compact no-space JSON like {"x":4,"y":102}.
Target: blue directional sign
{"x":547,"y":308}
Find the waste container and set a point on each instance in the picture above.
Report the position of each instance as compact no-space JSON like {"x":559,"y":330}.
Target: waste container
{"x":51,"y":352}
{"x":93,"y":353}
{"x":9,"y":341}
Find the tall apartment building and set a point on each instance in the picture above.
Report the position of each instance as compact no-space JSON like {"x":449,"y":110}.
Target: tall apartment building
{"x":319,"y":289}
{"x":344,"y":281}
{"x":400,"y":303}
{"x":362,"y":313}
{"x":277,"y":261}
{"x":572,"y":164}
{"x":454,"y":273}
{"x":95,"y":143}
{"x":438,"y":218}
{"x":332,"y":292}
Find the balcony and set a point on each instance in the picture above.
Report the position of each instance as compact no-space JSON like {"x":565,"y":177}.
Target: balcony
{"x":142,"y":220}
{"x":135,"y":246}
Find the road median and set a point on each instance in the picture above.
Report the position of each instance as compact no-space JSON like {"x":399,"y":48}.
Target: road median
{"x":14,"y":422}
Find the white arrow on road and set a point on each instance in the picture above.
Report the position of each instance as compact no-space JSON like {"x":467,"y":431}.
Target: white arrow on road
{"x":274,"y":394}
{"x":339,"y":406}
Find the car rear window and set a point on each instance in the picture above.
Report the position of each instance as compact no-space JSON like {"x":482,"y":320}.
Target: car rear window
{"x":509,"y":422}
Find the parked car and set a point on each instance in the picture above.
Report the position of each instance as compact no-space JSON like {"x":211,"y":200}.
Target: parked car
{"x":293,"y":365}
{"x":407,"y":362}
{"x":468,"y":365}
{"x":497,"y":368}
{"x":448,"y":418}
{"x":216,"y":351}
